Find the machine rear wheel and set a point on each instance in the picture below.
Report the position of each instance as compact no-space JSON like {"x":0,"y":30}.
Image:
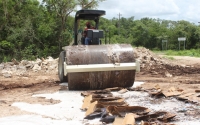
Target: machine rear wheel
{"x":61,"y":67}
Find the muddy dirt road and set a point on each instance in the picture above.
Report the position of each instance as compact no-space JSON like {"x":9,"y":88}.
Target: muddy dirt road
{"x":169,"y":85}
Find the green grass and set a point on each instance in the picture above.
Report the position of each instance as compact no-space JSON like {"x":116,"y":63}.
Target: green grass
{"x":168,"y":57}
{"x":192,"y":52}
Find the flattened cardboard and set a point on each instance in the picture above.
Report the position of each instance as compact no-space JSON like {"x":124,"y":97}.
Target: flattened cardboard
{"x":157,"y":86}
{"x":118,"y":102}
{"x":91,"y":108}
{"x":172,"y":92}
{"x":106,"y":99}
{"x":95,"y":101}
{"x":138,"y":110}
{"x":129,"y":119}
{"x":113,"y":111}
{"x":86,"y":102}
{"x":118,"y":121}
{"x":156,"y":93}
{"x":185,"y":96}
{"x":102,"y":101}
{"x":169,"y":94}
{"x":197,"y":91}
{"x":123,"y":110}
{"x":161,"y":116}
{"x":154,"y":123}
{"x":194,"y":98}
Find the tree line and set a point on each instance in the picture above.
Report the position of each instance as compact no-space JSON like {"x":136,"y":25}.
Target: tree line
{"x":30,"y":29}
{"x":150,"y":33}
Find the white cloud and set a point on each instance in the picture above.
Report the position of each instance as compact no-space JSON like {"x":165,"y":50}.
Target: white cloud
{"x":163,"y":9}
{"x":139,"y":8}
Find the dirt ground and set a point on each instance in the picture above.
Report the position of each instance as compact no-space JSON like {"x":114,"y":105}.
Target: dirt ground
{"x":183,"y":84}
{"x":21,"y":89}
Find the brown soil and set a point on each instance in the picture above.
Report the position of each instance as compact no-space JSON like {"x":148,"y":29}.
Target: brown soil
{"x":186,"y":78}
{"x":21,"y":89}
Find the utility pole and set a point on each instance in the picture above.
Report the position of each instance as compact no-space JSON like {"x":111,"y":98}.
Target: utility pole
{"x":119,"y":23}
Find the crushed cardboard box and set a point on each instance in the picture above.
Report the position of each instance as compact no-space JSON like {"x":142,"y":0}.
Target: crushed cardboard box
{"x":115,"y":110}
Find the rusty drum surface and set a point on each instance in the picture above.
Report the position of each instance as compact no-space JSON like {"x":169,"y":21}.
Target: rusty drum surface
{"x":100,"y":54}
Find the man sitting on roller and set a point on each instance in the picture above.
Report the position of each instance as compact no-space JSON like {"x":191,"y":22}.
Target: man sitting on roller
{"x":87,"y":39}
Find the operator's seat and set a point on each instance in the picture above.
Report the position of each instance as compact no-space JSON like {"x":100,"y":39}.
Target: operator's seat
{"x":95,"y":36}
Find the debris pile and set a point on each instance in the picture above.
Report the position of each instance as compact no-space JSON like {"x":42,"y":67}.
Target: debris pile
{"x":150,"y":63}
{"x":110,"y":109}
{"x":23,"y":68}
{"x":181,"y":93}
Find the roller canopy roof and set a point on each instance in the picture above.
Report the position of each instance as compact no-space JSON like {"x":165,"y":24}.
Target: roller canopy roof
{"x":89,"y":14}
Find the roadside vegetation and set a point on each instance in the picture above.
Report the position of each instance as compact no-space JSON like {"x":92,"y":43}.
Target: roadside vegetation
{"x":168,"y":53}
{"x":168,"y":57}
{"x":30,"y":29}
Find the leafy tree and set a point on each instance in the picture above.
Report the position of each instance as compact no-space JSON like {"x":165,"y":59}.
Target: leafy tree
{"x":88,"y":4}
{"x":61,"y":9}
{"x":30,"y":29}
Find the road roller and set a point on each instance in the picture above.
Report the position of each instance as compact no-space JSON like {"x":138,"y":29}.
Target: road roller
{"x":96,"y":65}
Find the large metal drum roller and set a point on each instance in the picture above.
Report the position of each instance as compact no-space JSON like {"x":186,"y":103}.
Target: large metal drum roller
{"x":99,"y":66}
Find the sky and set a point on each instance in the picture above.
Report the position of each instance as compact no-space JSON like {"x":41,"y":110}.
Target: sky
{"x":175,"y":10}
